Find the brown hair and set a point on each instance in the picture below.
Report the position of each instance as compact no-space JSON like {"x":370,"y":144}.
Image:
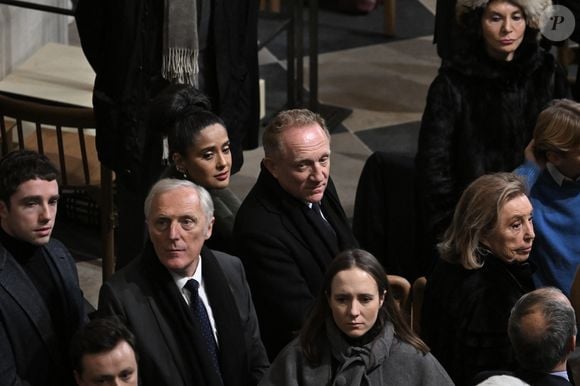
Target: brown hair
{"x":476,"y":215}
{"x":313,"y":332}
{"x":285,"y":120}
{"x":557,"y":128}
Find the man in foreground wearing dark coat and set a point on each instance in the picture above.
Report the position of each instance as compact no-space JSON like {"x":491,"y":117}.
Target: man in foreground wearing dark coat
{"x":41,"y":304}
{"x":291,"y":224}
{"x":190,"y":308}
{"x":542,"y":330}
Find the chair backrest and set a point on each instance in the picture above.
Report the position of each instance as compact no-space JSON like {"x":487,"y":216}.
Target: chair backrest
{"x":401,"y":289}
{"x":417,"y":295}
{"x":66,"y":136}
{"x":58,"y":132}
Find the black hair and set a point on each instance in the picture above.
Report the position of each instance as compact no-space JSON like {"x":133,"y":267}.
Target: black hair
{"x":180,"y":112}
{"x":99,"y":336}
{"x":20,"y":166}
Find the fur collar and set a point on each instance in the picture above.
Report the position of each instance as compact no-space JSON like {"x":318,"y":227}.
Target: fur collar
{"x":474,"y":62}
{"x":533,"y":9}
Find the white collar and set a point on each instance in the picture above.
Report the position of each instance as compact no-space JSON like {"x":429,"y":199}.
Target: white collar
{"x":557,"y":175}
{"x":563,"y":374}
{"x":180,"y":281}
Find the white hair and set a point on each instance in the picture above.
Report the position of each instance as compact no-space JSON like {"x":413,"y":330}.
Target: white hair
{"x":168,"y":184}
{"x":503,"y":380}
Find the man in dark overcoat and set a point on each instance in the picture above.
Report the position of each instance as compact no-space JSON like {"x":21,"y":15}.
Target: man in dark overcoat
{"x":291,"y":224}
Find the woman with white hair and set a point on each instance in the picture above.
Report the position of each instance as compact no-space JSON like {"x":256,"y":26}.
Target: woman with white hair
{"x":482,"y":107}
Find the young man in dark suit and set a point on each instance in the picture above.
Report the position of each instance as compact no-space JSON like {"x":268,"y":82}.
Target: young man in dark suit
{"x":41,"y":304}
{"x":189,"y":307}
{"x":291,"y":224}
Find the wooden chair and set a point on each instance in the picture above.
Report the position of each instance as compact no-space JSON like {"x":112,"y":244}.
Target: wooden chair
{"x":270,"y":5}
{"x":417,"y":295}
{"x":390,"y":17}
{"x":401,"y":289}
{"x":63,"y":135}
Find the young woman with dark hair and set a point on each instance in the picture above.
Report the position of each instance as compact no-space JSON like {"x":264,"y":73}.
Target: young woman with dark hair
{"x":355,"y":335}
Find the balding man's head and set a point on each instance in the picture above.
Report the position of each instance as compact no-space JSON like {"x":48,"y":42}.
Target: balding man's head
{"x":542,"y":329}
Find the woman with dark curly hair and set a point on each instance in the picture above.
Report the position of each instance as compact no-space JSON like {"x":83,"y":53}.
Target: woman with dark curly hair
{"x":355,"y":335}
{"x":482,"y":107}
{"x":199,"y":151}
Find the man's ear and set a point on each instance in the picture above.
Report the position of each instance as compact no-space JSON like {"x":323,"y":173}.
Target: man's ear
{"x":209,"y":228}
{"x":554,"y":157}
{"x":3,"y":209}
{"x":272,"y":166}
{"x":78,"y":378}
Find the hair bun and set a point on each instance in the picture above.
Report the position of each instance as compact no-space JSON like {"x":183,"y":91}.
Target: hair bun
{"x":173,"y":102}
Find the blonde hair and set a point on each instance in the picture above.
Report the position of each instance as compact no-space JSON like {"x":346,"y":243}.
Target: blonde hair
{"x":285,"y":120}
{"x":557,"y":128}
{"x":476,"y":216}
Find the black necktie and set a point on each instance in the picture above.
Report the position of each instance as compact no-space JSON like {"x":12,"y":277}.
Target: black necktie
{"x":324,"y":227}
{"x":200,"y":313}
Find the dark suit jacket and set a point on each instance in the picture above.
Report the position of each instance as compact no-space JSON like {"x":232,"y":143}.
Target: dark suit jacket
{"x":28,"y":348}
{"x":284,"y":256}
{"x":131,"y":295}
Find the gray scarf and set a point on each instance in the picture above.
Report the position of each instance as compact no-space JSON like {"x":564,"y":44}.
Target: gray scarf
{"x":354,"y":363}
{"x":180,"y":42}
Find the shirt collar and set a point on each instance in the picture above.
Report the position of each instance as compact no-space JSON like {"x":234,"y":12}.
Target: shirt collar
{"x":557,"y":175}
{"x":563,"y":374}
{"x":180,"y":281}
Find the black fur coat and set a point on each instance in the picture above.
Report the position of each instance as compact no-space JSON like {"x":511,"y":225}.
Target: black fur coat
{"x":479,"y":117}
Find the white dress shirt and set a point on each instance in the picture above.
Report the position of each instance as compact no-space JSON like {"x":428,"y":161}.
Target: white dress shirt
{"x":180,"y":282}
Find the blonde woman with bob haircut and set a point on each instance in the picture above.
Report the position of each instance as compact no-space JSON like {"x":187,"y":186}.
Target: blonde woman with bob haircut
{"x":555,"y":194}
{"x":482,"y":272}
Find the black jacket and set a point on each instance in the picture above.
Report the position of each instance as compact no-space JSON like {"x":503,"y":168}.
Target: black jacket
{"x":284,"y":255}
{"x":144,"y":296}
{"x":122,"y":41}
{"x":30,"y":350}
{"x":465,"y":315}
{"x":480,"y":116}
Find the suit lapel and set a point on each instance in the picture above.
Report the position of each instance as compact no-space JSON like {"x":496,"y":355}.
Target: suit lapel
{"x":66,"y":280}
{"x":312,"y":240}
{"x":337,"y":218}
{"x":18,"y":285}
